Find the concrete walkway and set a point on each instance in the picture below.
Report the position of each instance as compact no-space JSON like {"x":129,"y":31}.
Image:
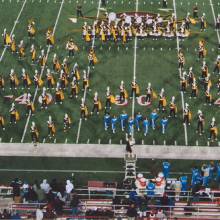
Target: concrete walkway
{"x":109,"y":151}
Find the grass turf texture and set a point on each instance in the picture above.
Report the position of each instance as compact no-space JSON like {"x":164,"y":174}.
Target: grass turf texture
{"x":45,"y":167}
{"x":156,"y":66}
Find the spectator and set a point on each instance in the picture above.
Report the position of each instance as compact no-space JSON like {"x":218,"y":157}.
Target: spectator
{"x":31,"y":196}
{"x":69,"y":189}
{"x":25,"y":189}
{"x":5,"y":214}
{"x":74,"y":204}
{"x":45,"y":186}
{"x":39,"y":192}
{"x":16,"y":184}
{"x":58,"y":206}
{"x":160,"y":215}
{"x":39,"y":213}
{"x":131,"y":212}
{"x":15,"y":215}
{"x":79,"y":11}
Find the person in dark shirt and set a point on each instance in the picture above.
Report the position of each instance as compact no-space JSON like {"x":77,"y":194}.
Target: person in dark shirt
{"x":16,"y":184}
{"x":79,"y":11}
{"x":132,"y":212}
{"x":74,"y":204}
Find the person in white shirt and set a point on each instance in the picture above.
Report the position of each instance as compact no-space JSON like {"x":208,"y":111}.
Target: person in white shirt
{"x":45,"y":186}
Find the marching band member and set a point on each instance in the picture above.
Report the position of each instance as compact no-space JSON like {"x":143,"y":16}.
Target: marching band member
{"x":71,"y":47}
{"x":190,"y":76}
{"x":2,"y":122}
{"x":42,"y":59}
{"x":207,"y":82}
{"x":50,"y":80}
{"x":56,"y":64}
{"x":14,"y":115}
{"x":113,"y":123}
{"x":2,"y":83}
{"x":164,"y":123}
{"x":173,"y":108}
{"x":200,"y":122}
{"x":202,"y":22}
{"x":146,"y":126}
{"x":85,"y":81}
{"x":63,"y":79}
{"x":6,"y":38}
{"x":109,"y":99}
{"x":26,"y":79}
{"x":92,"y":58}
{"x":65,"y":66}
{"x":183,"y":82}
{"x":21,"y":49}
{"x":138,"y":119}
{"x":30,"y":105}
{"x":217,"y":26}
{"x":123,"y":120}
{"x":107,"y":121}
{"x":195,"y":11}
{"x":187,"y":21}
{"x":208,"y":96}
{"x":33,"y":53}
{"x":50,"y":37}
{"x":131,"y":125}
{"x":34,"y":133}
{"x":135,"y":89}
{"x":181,"y":60}
{"x":153,"y":117}
{"x":217,"y":65}
{"x":204,"y":69}
{"x":45,"y":99}
{"x":75,"y":72}
{"x":213,"y":130}
{"x":13,"y":44}
{"x":202,"y":50}
{"x":194,"y":92}
{"x":31,"y":29}
{"x":187,"y":115}
{"x":218,"y":86}
{"x":66,"y":122}
{"x":37,"y":79}
{"x":13,"y":80}
{"x":51,"y":127}
{"x":162,"y":101}
{"x":123,"y":92}
{"x":97,"y":106}
{"x":83,"y":110}
{"x":74,"y":88}
{"x":149,"y":92}
{"x":59,"y":95}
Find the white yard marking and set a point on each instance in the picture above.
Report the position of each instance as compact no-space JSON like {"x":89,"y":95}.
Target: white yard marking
{"x":42,"y":71}
{"x":134,"y":69}
{"x":85,"y":91}
{"x":13,"y":28}
{"x":182,"y":95}
{"x":214,"y":17}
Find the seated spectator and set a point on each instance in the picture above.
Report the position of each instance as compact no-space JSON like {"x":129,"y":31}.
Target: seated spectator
{"x":160,"y":215}
{"x":39,"y":213}
{"x":31,"y":196}
{"x":131,"y":212}
{"x":16,"y":184}
{"x":15,"y":215}
{"x":39,"y":192}
{"x":69,"y":189}
{"x":25,"y":189}
{"x":45,"y":186}
{"x":74,"y":204}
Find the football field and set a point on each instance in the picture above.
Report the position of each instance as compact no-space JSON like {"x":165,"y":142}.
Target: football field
{"x":151,"y":60}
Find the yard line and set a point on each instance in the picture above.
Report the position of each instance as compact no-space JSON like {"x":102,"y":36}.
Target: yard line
{"x":134,"y":69}
{"x":182,"y":95}
{"x":12,"y":30}
{"x":85,"y":91}
{"x":214,"y":17}
{"x":42,"y":71}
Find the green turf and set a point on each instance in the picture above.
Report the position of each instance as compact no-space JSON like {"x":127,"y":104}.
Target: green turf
{"x":156,"y":66}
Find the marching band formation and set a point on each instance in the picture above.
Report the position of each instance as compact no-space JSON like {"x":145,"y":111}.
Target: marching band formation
{"x":61,"y":79}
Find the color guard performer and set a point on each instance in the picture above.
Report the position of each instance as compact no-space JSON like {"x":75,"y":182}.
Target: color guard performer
{"x":153,"y":118}
{"x":83,"y":110}
{"x":131,"y":125}
{"x":146,"y":124}
{"x":213,"y":131}
{"x":2,"y":122}
{"x":200,"y":122}
{"x":135,"y":89}
{"x":164,"y":123}
{"x":34,"y":133}
{"x":50,"y":37}
{"x":187,"y":115}
{"x":13,"y":80}
{"x":173,"y":108}
{"x":123,"y":120}
{"x":107,"y":121}
{"x":14,"y":115}
{"x":114,"y":121}
{"x":74,"y":88}
{"x":138,"y":119}
{"x":66,"y":122}
{"x":2,"y":83}
{"x":51,"y":127}
{"x":97,"y":106}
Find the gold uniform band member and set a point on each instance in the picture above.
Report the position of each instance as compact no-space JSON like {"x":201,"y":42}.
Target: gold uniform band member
{"x":85,"y":81}
{"x":21,"y":49}
{"x":31,"y":29}
{"x":37,"y":79}
{"x":187,"y":115}
{"x":59,"y":96}
{"x":50,"y":80}
{"x":71,"y":47}
{"x":173,"y":108}
{"x":135,"y":89}
{"x":213,"y":130}
{"x":6,"y":38}
{"x":181,"y":60}
{"x":13,"y":80}
{"x":183,"y":82}
{"x":50,"y":37}
{"x":149,"y":93}
{"x":45,"y":99}
{"x":96,"y":104}
{"x":162,"y":101}
{"x":33,"y":53}
{"x":2,"y":83}
{"x":14,"y":115}
{"x":51,"y":127}
{"x":2,"y":122}
{"x":74,"y":88}
{"x":26,"y":79}
{"x":83,"y":110}
{"x":34,"y":133}
{"x":56,"y":64}
{"x":200,"y":122}
{"x":66,"y":122}
{"x":13,"y":44}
